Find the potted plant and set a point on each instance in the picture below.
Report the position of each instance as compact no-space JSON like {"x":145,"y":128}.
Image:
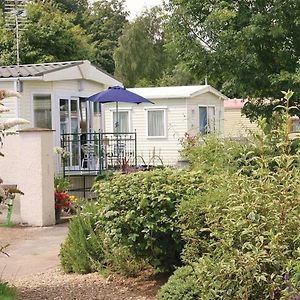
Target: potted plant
{"x":61,"y":195}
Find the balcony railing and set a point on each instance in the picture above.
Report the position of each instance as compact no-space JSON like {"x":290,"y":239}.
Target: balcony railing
{"x":91,"y":153}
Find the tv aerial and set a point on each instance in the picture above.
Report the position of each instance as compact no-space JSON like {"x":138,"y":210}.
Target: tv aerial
{"x":15,"y":19}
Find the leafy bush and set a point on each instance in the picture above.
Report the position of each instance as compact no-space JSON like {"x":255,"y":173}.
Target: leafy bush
{"x":193,"y":216}
{"x":7,"y":292}
{"x":242,"y":237}
{"x":256,"y":239}
{"x":61,"y":184}
{"x":211,"y":154}
{"x":182,"y":285}
{"x":138,"y":212}
{"x":83,"y":249}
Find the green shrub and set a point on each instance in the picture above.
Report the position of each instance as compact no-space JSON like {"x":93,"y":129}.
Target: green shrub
{"x":121,"y":260}
{"x":242,"y":236}
{"x":193,"y":215}
{"x":243,"y":242}
{"x":211,"y":154}
{"x":83,"y":249}
{"x":61,"y":184}
{"x":138,"y":212}
{"x":7,"y":292}
{"x":182,"y":285}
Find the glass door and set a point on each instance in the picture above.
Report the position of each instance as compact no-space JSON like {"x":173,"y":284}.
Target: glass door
{"x":70,"y":129}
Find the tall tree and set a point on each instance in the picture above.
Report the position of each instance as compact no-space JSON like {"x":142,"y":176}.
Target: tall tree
{"x":78,"y":7}
{"x":52,"y":36}
{"x":7,"y":44}
{"x":246,"y":48}
{"x":140,"y":55}
{"x":105,"y":25}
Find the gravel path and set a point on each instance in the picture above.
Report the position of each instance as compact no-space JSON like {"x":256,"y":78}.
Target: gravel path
{"x":54,"y":285}
{"x":33,"y":268}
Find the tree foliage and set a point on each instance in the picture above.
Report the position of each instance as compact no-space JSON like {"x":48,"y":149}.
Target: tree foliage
{"x":52,"y":36}
{"x":7,"y":44}
{"x":140,"y":55}
{"x":77,"y":7}
{"x":62,"y":30}
{"x":105,"y":24}
{"x":246,"y":48}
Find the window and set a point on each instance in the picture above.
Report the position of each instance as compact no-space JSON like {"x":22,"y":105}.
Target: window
{"x":121,"y":124}
{"x":42,"y":111}
{"x":156,"y":122}
{"x":64,"y":115}
{"x":206,"y":119}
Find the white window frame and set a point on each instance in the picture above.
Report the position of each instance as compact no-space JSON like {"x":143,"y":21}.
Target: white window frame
{"x":165,"y":121}
{"x":42,"y":93}
{"x":215,"y":119}
{"x":122,"y":109}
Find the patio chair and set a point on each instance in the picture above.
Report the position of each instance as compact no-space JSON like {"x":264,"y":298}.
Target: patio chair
{"x":120,"y":150}
{"x":90,"y":158}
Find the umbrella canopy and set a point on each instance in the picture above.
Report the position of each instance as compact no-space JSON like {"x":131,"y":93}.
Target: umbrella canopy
{"x":117,"y":94}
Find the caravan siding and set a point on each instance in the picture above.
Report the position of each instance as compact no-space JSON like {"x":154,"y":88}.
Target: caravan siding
{"x":206,"y":99}
{"x":55,"y":89}
{"x":29,"y":89}
{"x":167,"y":148}
{"x":236,"y":125}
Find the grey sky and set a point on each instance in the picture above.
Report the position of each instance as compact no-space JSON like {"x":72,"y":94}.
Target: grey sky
{"x":136,"y":6}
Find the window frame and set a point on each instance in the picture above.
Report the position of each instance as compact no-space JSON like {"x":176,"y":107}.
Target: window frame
{"x":122,"y":109}
{"x":37,"y":93}
{"x":165,"y":121}
{"x":215,"y":119}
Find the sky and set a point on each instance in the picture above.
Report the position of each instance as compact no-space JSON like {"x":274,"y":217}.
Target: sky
{"x":136,"y":6}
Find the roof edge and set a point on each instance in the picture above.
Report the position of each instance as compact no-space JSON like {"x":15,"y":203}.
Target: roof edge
{"x":209,"y":88}
{"x":72,"y":64}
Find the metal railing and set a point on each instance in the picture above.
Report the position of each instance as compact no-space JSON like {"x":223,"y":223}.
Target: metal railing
{"x":117,"y":150}
{"x":91,"y":153}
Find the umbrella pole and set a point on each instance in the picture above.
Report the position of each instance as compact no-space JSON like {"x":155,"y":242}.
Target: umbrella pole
{"x":117,"y":132}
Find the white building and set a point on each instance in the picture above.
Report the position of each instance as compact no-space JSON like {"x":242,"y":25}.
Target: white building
{"x":54,"y":94}
{"x":160,"y":126}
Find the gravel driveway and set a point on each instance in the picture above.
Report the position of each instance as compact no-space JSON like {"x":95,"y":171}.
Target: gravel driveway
{"x":33,"y":267}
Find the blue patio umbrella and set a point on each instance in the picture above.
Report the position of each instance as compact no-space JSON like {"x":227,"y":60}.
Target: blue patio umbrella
{"x":117,"y":94}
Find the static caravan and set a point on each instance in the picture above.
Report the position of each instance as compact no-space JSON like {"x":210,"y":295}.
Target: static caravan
{"x":160,"y":126}
{"x":236,"y":125}
{"x":54,"y":97}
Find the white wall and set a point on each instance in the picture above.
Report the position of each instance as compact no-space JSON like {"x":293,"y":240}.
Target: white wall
{"x":236,"y":125}
{"x":57,"y":89}
{"x":167,"y":148}
{"x":28,"y":162}
{"x":182,"y":117}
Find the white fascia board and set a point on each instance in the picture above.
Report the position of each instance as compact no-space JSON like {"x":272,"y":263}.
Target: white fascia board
{"x":83,"y":71}
{"x":90,"y":72}
{"x":22,"y":78}
{"x":210,"y":89}
{"x":71,"y":73}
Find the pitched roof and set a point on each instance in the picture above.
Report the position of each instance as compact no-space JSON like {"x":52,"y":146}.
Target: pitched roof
{"x":31,"y":70}
{"x":234,"y":104}
{"x":176,"y":91}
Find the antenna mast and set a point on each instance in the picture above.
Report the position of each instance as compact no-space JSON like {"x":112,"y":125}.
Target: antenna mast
{"x":15,"y":19}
